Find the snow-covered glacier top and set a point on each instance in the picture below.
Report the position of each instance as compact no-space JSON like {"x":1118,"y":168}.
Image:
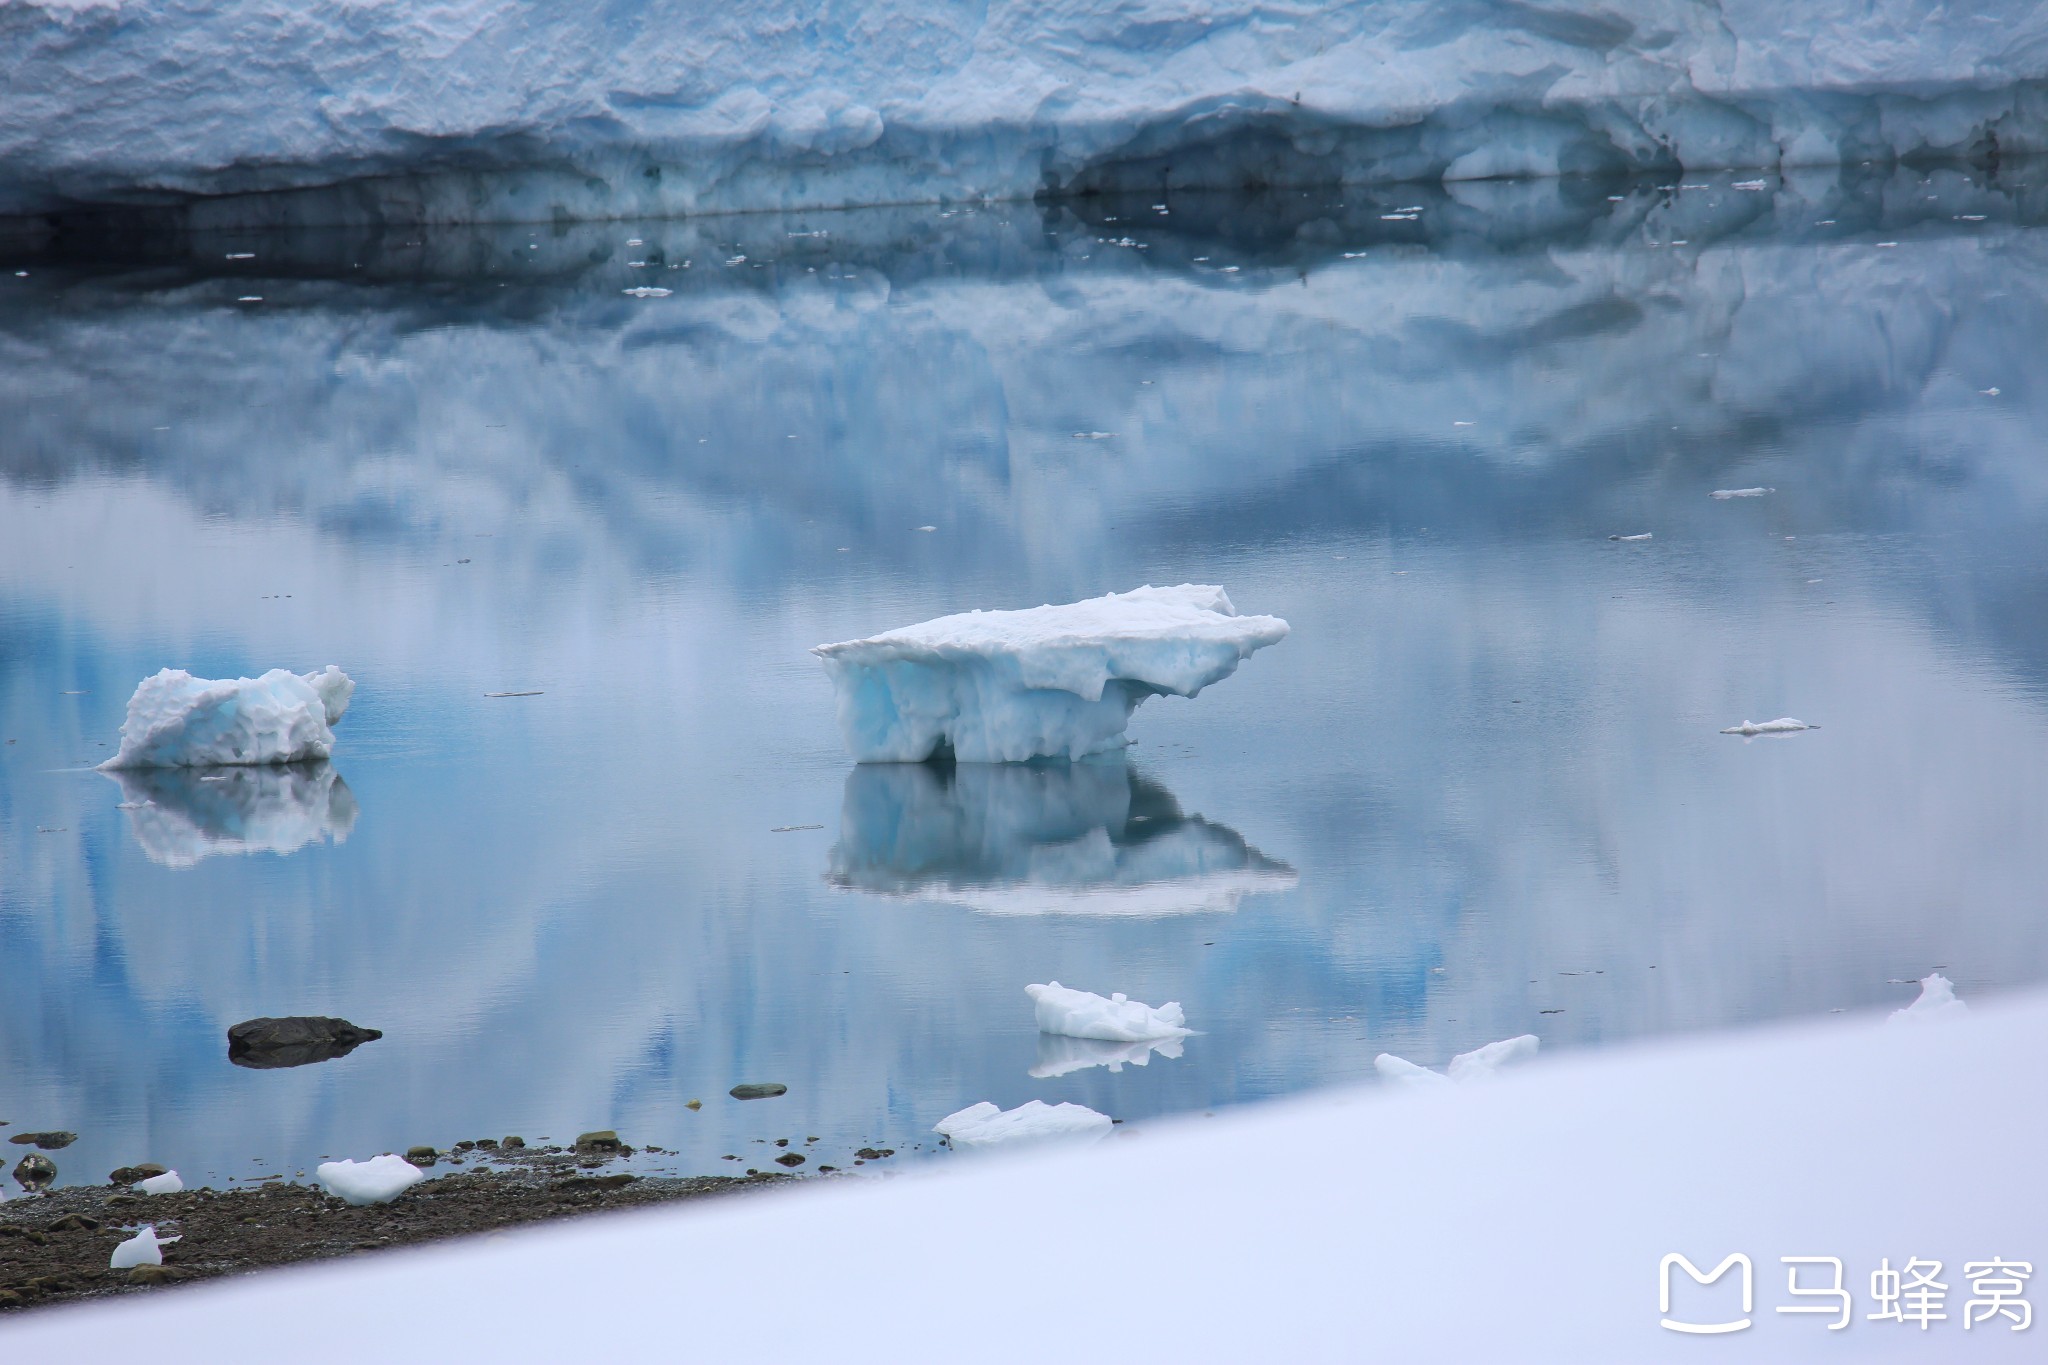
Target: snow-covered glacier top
{"x":1044,"y":682}
{"x":688,"y":105}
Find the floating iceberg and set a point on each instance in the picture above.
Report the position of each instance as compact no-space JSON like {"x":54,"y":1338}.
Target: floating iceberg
{"x":1783,"y":725}
{"x":1083,"y":1014}
{"x":1088,"y":838}
{"x":379,"y":1180}
{"x":1937,"y":1001}
{"x":1046,"y":682}
{"x":1726,"y":493}
{"x":144,"y":1248}
{"x":180,"y":816}
{"x":167,"y":1183}
{"x":178,"y":721}
{"x":985,"y":1125}
{"x":1059,"y":1054}
{"x":1466,"y":1066}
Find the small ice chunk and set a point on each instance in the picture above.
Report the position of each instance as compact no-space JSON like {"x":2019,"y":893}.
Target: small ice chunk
{"x":985,"y":1125}
{"x":379,"y":1180}
{"x":1726,"y":493}
{"x":178,"y":721}
{"x":167,"y":1183}
{"x":1643,"y":536}
{"x":1477,"y":1064}
{"x":1059,"y":1054}
{"x":1047,"y":682}
{"x":1083,"y":1014}
{"x":1747,"y":185}
{"x":144,"y":1248}
{"x":1937,"y":1001}
{"x":647,"y":291}
{"x":1783,"y":725}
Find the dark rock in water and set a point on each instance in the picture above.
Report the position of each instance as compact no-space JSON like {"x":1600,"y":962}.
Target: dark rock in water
{"x":875,"y":1153}
{"x":767,"y":1091}
{"x":35,"y":1171}
{"x":131,"y":1175}
{"x":603,"y":1140}
{"x":512,"y":1144}
{"x":421,"y":1156}
{"x":155,"y":1274}
{"x":595,"y":1182}
{"x":791,"y":1159}
{"x":294,"y":1041}
{"x":49,"y":1142}
{"x":487,"y":1144}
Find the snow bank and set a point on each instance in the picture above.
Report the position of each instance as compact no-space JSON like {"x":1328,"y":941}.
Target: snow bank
{"x":1046,"y":682}
{"x":1937,"y":1000}
{"x":1092,"y":838}
{"x":1477,"y":1064}
{"x":178,"y":721}
{"x":1034,"y":1121}
{"x":483,"y":110}
{"x":379,"y":1180}
{"x":144,"y":1248}
{"x":1083,"y":1014}
{"x":180,"y":816}
{"x":1059,"y":1054}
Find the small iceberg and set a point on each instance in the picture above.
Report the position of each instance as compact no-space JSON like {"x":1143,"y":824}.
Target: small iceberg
{"x":167,"y":1183}
{"x":1726,"y":493}
{"x":1783,"y":725}
{"x":379,"y":1180}
{"x":1644,"y":535}
{"x":1047,"y":682}
{"x":985,"y":1125}
{"x":181,"y":817}
{"x":144,"y":1248}
{"x":1083,"y":1014}
{"x":1466,"y":1066}
{"x":178,"y":721}
{"x":1937,"y":1001}
{"x":1059,"y":1054}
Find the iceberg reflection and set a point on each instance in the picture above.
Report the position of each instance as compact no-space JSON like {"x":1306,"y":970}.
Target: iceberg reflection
{"x":1087,"y":838}
{"x":182,"y":815}
{"x":1059,"y":1054}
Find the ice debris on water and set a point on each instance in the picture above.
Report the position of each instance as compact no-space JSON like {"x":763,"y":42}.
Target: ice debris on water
{"x":1726,"y":493}
{"x":1046,"y":682}
{"x":167,"y":1183}
{"x":144,"y":1248}
{"x":1083,"y":1014}
{"x":1937,"y":1001}
{"x":379,"y":1180}
{"x":986,"y":1125}
{"x":1642,"y":536}
{"x":1477,"y":1064}
{"x":647,"y":291}
{"x":1783,"y":725}
{"x":178,"y":721}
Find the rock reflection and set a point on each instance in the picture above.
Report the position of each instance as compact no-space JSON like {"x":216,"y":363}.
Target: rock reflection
{"x":182,"y":815}
{"x":1087,"y":838}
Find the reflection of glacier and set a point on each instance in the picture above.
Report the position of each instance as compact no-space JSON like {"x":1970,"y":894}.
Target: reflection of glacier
{"x":181,"y":815}
{"x":1090,"y":838}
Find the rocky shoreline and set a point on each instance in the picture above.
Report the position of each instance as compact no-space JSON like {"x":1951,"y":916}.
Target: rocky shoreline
{"x":54,"y":1246}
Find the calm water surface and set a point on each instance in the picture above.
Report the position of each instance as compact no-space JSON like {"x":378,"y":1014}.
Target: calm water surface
{"x":1480,"y":790}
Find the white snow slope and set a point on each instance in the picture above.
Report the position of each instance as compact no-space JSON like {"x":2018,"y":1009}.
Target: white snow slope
{"x":1521,"y":1221}
{"x":676,"y":106}
{"x":1045,"y":682}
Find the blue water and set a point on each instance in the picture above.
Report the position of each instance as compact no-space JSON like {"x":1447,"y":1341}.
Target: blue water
{"x":1479,"y":791}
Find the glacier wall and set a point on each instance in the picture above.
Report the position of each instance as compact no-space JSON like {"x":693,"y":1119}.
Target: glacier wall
{"x":540,"y":110}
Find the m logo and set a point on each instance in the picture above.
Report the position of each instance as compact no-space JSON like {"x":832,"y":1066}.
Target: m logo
{"x":1705,"y":1328}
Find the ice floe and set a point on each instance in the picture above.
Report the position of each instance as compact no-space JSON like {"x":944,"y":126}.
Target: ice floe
{"x":1466,"y":1066}
{"x":178,"y":721}
{"x":1059,"y":1054}
{"x":182,"y":815}
{"x":1783,"y":725}
{"x":986,"y":1125}
{"x":1726,"y":493}
{"x":144,"y":1248}
{"x":1044,"y":682}
{"x":1117,"y":1019}
{"x":167,"y":1183}
{"x":1937,"y":1000}
{"x":379,"y":1180}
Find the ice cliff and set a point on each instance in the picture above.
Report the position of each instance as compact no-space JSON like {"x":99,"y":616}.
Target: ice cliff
{"x":1046,"y":682}
{"x":178,"y":721}
{"x":539,"y":110}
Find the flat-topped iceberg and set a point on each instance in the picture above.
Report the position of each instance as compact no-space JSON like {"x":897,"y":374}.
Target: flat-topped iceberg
{"x":1118,"y":1019}
{"x":985,"y":1125}
{"x":178,"y":721}
{"x":1046,"y":682}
